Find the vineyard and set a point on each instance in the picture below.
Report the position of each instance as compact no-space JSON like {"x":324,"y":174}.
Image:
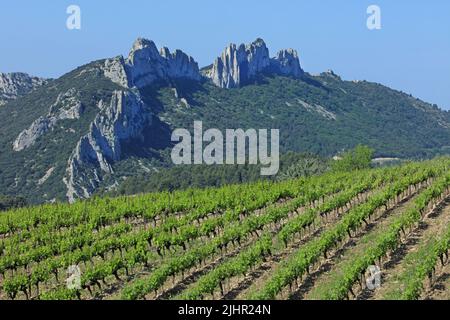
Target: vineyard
{"x":310,"y":238}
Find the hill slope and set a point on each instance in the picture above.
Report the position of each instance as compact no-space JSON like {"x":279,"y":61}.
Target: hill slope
{"x":113,"y":118}
{"x":14,"y":85}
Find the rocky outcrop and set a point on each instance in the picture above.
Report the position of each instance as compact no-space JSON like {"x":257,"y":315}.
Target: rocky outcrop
{"x":180,"y":65}
{"x":67,"y":106}
{"x":29,"y":136}
{"x":14,"y":85}
{"x":318,"y":109}
{"x":146,"y":65}
{"x":123,"y":119}
{"x":331,"y":74}
{"x":114,"y":69}
{"x":239,"y":65}
{"x":287,"y":63}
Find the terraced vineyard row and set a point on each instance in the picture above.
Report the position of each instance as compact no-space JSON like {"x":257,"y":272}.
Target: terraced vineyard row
{"x":258,"y":241}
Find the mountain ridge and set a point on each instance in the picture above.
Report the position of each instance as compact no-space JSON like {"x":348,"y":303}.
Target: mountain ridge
{"x":238,"y":65}
{"x":16,"y":84}
{"x":112,"y":118}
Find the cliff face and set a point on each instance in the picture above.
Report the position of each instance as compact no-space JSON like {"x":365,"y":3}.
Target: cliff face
{"x":66,"y":107}
{"x":146,"y":65}
{"x":238,"y":65}
{"x":123,"y":119}
{"x":287,"y":63}
{"x":14,"y":85}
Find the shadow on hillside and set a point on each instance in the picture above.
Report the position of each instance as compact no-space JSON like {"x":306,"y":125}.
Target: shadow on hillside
{"x":184,"y":89}
{"x":156,"y":137}
{"x":313,"y":82}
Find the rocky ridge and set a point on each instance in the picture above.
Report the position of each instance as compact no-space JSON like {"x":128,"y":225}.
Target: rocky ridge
{"x":146,"y":65}
{"x":14,"y":85}
{"x":123,"y":119}
{"x":126,"y":116}
{"x":114,"y":119}
{"x":238,"y":65}
{"x":67,"y":106}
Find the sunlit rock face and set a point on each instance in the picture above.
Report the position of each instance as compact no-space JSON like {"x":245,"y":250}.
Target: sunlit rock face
{"x":14,"y":85}
{"x":238,"y":65}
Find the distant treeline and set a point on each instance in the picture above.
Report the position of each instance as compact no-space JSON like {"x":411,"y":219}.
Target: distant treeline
{"x":8,"y":202}
{"x":201,"y":176}
{"x":292,"y":165}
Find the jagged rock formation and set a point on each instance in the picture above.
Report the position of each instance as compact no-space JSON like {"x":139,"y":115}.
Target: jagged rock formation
{"x":114,"y":69}
{"x":126,"y":116}
{"x":180,"y":65}
{"x":145,"y":65}
{"x":287,"y":63}
{"x":331,"y":74}
{"x":14,"y":85}
{"x":238,"y":65}
{"x":67,"y":106}
{"x":123,"y":119}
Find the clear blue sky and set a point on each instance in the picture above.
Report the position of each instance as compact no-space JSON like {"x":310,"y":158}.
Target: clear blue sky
{"x":410,"y":53}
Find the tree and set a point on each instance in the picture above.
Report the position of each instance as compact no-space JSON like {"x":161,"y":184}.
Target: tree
{"x":7,"y":202}
{"x":355,"y":159}
{"x":307,"y":166}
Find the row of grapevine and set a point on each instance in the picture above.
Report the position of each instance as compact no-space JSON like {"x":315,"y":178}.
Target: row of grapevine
{"x":241,"y":263}
{"x":233,"y":233}
{"x":388,"y":241}
{"x":97,"y":214}
{"x":51,"y":266}
{"x":149,"y":206}
{"x":140,"y":288}
{"x":411,"y":281}
{"x":307,"y":255}
{"x":171,"y":234}
{"x":160,"y":237}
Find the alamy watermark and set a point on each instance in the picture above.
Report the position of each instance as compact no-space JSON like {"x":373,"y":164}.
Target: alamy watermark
{"x":374,"y":280}
{"x":73,"y":281}
{"x":73,"y":22}
{"x":374,"y":19}
{"x":235,"y":147}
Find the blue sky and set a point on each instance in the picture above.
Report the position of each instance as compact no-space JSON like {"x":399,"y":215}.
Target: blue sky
{"x":410,"y":53}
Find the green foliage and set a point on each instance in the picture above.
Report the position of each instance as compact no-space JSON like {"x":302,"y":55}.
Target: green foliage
{"x":171,"y":233}
{"x":21,"y":171}
{"x":419,"y":265}
{"x":292,"y":165}
{"x":8,"y":202}
{"x":356,"y":159}
{"x":306,"y":256}
{"x":389,"y":240}
{"x":389,"y":121}
{"x":306,"y":166}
